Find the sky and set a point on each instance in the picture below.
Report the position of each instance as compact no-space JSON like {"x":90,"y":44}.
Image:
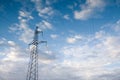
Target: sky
{"x":83,"y":39}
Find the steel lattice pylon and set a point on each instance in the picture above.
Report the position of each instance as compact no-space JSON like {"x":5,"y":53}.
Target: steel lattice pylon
{"x":32,"y":73}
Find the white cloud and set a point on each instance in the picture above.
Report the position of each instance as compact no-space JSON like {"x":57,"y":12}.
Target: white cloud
{"x":46,"y":10}
{"x":11,"y":43}
{"x":90,"y":8}
{"x":99,"y":54}
{"x":74,"y":39}
{"x":71,"y":40}
{"x":44,"y":25}
{"x":99,"y":34}
{"x":116,"y":26}
{"x":25,"y":14}
{"x":14,"y":60}
{"x":53,"y":36}
{"x":66,"y":17}
{"x":47,"y":24}
{"x":22,"y":29}
{"x":85,"y":58}
{"x":26,"y":31}
{"x":2,"y":41}
{"x":42,"y":10}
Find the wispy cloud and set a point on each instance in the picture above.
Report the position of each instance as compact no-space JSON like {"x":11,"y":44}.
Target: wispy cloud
{"x":74,"y":38}
{"x":53,"y":36}
{"x":42,"y":10}
{"x":22,"y":28}
{"x":66,"y":17}
{"x":43,"y":25}
{"x":116,"y":26}
{"x":90,"y":8}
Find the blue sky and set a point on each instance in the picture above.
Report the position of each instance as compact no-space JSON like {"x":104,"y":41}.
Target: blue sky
{"x":83,"y":38}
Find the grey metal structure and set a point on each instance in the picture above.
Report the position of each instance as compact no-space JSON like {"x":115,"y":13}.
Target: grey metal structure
{"x":32,"y":73}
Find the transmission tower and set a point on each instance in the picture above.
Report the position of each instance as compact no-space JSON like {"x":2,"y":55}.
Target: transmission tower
{"x":32,"y":73}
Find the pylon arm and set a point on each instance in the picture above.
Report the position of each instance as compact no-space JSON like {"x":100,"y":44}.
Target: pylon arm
{"x":40,"y":32}
{"x":42,"y":42}
{"x":34,"y":42}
